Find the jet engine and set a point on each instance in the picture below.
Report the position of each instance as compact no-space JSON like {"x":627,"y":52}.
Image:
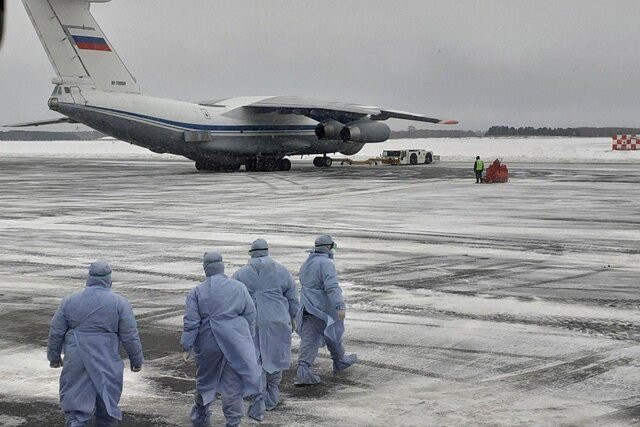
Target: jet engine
{"x":365,"y":130}
{"x":350,"y":148}
{"x":329,"y":129}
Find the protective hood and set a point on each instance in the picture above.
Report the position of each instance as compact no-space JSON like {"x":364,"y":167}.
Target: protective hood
{"x":324,"y":245}
{"x":99,"y":274}
{"x":259,"y":248}
{"x":212,"y":263}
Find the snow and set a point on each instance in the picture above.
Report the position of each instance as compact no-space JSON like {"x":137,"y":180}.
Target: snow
{"x":24,"y":374}
{"x":534,"y":149}
{"x":488,"y":305}
{"x":27,"y":374}
{"x":549,"y":150}
{"x":101,"y":148}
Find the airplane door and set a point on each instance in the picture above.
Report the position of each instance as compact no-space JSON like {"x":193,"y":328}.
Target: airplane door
{"x":76,"y":94}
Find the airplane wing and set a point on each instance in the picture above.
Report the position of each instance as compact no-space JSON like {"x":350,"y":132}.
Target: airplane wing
{"x":40,"y":123}
{"x":325,"y":110}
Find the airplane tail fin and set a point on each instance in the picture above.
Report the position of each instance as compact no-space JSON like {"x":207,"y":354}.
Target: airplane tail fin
{"x":76,"y":46}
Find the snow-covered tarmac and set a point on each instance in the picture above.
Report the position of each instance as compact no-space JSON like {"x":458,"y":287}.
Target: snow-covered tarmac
{"x":469,"y":305}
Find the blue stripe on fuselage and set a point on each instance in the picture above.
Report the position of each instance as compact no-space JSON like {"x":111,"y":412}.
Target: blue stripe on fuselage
{"x":214,"y":128}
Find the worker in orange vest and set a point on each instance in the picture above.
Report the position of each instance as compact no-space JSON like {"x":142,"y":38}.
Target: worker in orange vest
{"x":478,"y":167}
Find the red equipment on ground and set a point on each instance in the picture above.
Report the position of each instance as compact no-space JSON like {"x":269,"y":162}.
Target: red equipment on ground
{"x":497,"y":172}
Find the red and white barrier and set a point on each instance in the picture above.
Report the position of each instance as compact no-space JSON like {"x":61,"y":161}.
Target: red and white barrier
{"x":626,"y":142}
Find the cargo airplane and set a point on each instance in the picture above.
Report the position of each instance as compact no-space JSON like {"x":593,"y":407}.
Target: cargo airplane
{"x":94,"y":87}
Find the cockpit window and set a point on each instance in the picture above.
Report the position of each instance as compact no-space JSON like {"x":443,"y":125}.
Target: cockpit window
{"x":67,"y":90}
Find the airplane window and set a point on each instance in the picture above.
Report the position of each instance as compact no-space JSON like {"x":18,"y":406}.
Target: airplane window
{"x":67,"y":90}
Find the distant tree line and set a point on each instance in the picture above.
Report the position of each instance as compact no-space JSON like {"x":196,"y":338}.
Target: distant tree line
{"x":30,"y":135}
{"x":412,"y":132}
{"x":545,"y":131}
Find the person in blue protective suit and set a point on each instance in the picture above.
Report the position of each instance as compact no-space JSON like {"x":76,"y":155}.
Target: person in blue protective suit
{"x":274,"y":293}
{"x":219,"y":323}
{"x":320,"y":319}
{"x":90,"y":325}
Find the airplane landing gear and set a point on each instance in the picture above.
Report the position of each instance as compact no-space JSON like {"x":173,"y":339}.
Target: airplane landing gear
{"x":231,"y":167}
{"x":322,"y":162}
{"x":264,"y":164}
{"x":283,"y":165}
{"x":251,"y":165}
{"x":267,"y":164}
{"x":205,"y":165}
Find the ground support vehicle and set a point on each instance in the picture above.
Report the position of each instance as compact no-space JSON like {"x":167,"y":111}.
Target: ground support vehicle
{"x":395,"y":157}
{"x":407,"y":157}
{"x":497,"y":172}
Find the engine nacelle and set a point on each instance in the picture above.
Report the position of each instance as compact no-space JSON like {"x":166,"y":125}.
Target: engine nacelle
{"x":350,"y":148}
{"x":365,"y":130}
{"x":329,"y":130}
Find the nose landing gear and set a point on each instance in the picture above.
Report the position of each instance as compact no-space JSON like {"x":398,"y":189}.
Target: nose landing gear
{"x":322,"y":162}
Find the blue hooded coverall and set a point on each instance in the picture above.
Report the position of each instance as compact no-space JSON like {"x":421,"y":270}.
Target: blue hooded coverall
{"x":90,"y":325}
{"x":274,"y":293}
{"x":317,"y":318}
{"x":219,"y":321}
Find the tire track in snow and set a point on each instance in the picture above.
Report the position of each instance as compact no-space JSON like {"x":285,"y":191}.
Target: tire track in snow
{"x":560,"y":375}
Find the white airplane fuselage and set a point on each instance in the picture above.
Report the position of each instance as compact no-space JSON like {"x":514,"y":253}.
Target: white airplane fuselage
{"x":221,"y":133}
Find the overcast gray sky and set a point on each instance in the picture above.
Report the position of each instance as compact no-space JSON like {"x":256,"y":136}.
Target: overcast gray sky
{"x":514,"y":62}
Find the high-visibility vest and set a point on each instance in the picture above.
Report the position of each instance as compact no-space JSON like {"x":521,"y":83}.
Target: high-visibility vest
{"x":479,"y":165}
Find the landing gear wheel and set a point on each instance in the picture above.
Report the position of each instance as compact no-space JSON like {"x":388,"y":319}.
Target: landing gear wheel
{"x":205,"y":165}
{"x":428,"y":159}
{"x":413,"y":159}
{"x":326,"y":161}
{"x":231,"y":167}
{"x":318,"y":162}
{"x":283,"y":165}
{"x":266,"y":165}
{"x":251,"y":165}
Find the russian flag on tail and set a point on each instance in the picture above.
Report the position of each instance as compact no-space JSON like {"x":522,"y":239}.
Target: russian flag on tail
{"x":91,"y":43}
